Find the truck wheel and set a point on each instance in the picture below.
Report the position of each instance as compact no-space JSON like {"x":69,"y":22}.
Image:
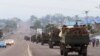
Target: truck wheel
{"x":61,"y":52}
{"x":33,"y":41}
{"x":4,"y":46}
{"x":84,"y":54}
{"x":37,"y":42}
{"x":65,"y":53}
{"x":50,"y":45}
{"x":79,"y":53}
{"x":42,"y":43}
{"x":84,"y":51}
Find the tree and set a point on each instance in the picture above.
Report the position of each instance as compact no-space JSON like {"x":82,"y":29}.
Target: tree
{"x":37,"y":24}
{"x":58,"y":18}
{"x":45,"y":20}
{"x":49,"y":27}
{"x":33,"y":18}
{"x":10,"y":25}
{"x":89,"y":26}
{"x":17,"y":20}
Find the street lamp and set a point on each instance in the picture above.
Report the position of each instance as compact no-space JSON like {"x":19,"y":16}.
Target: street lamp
{"x":86,"y":12}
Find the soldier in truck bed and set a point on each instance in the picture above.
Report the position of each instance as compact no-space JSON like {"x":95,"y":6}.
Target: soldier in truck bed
{"x":63,"y":33}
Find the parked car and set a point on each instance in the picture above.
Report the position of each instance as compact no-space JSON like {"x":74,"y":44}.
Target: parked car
{"x":10,"y":42}
{"x":3,"y":44}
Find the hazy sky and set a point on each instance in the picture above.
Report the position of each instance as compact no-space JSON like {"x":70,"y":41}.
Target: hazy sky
{"x":24,"y":8}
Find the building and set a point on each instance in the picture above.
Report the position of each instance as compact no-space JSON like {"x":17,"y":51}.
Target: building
{"x":97,"y":24}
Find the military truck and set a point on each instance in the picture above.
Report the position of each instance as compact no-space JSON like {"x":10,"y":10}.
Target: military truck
{"x":53,"y":31}
{"x":38,"y":38}
{"x":38,"y":35}
{"x":45,"y":38}
{"x":76,"y":40}
{"x":54,"y":39}
{"x":27,"y":38}
{"x":33,"y":38}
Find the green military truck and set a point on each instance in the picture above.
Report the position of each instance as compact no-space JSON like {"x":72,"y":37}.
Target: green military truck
{"x":53,"y":31}
{"x":33,"y":38}
{"x":76,"y":40}
{"x":38,"y":38}
{"x":45,"y":38}
{"x":54,"y":39}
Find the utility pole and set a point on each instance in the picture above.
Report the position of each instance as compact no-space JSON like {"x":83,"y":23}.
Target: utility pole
{"x":86,"y":12}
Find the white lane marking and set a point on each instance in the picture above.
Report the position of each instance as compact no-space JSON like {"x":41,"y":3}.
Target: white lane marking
{"x":29,"y":51}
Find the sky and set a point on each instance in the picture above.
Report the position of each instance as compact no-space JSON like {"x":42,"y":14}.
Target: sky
{"x":25,"y":8}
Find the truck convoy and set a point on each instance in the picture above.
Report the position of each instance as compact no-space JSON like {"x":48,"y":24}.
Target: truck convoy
{"x":74,"y":39}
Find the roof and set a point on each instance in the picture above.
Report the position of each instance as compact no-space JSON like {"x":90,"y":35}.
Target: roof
{"x":72,"y":23}
{"x":97,"y":20}
{"x":88,"y":21}
{"x":83,"y":21}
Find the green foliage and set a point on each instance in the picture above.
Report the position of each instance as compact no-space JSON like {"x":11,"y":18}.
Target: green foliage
{"x":93,"y":31}
{"x":89,"y":26}
{"x":37,"y":24}
{"x":10,"y":25}
{"x":49,"y":27}
{"x":33,"y":18}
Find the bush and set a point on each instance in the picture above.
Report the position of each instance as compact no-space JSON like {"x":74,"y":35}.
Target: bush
{"x":94,"y":31}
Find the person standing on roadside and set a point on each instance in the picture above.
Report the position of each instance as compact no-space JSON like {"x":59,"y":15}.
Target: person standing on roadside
{"x":97,"y":42}
{"x":93,"y":42}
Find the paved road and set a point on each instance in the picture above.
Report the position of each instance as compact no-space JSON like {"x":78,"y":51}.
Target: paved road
{"x":39,"y":50}
{"x":20,"y":48}
{"x":27,"y":48}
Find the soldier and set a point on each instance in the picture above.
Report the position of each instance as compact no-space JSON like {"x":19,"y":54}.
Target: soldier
{"x":76,"y":25}
{"x":63,"y":33}
{"x":93,"y":42}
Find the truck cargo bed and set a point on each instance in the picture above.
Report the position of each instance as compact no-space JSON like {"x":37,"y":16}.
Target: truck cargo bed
{"x":77,"y":40}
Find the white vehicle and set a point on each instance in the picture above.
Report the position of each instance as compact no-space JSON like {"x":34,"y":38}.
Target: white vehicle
{"x":97,"y":37}
{"x":9,"y":42}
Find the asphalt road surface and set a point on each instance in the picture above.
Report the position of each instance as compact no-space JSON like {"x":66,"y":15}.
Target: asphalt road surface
{"x":27,"y":48}
{"x":21,"y":47}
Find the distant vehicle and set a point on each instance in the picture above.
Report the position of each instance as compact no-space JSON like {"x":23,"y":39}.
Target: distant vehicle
{"x":38,"y":39}
{"x":54,"y":39}
{"x":45,"y":38}
{"x":33,"y":38}
{"x":3,"y":44}
{"x":10,"y":42}
{"x":27,"y":38}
